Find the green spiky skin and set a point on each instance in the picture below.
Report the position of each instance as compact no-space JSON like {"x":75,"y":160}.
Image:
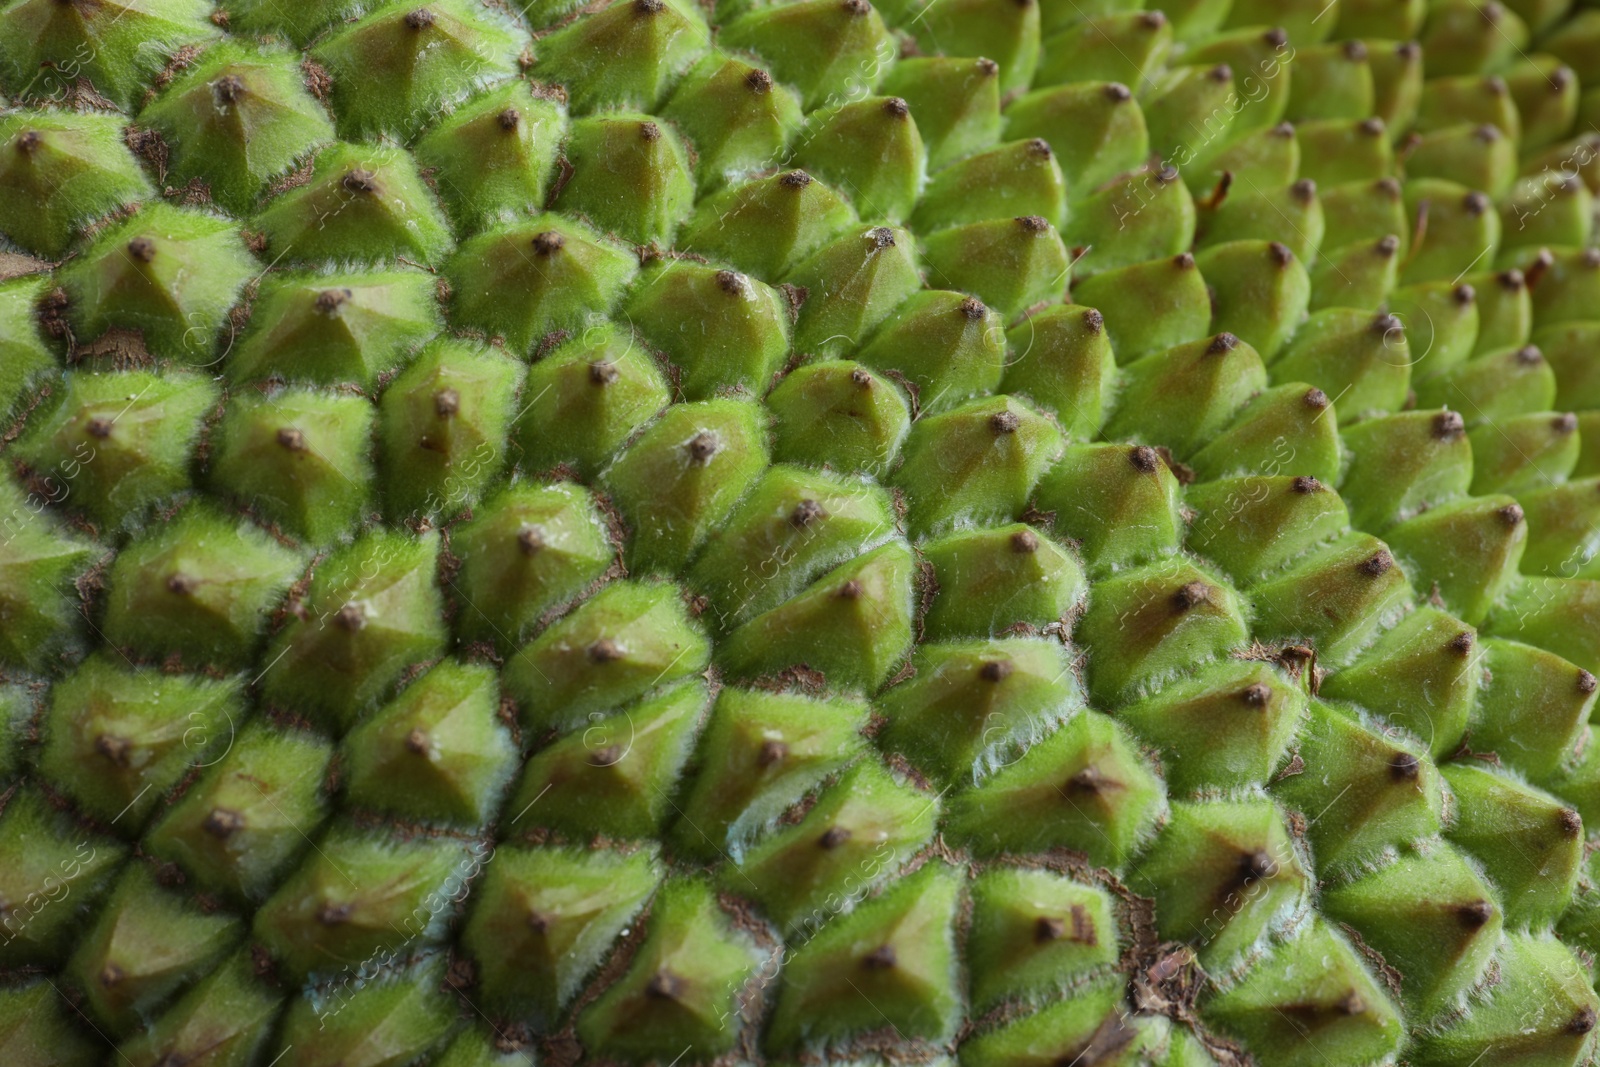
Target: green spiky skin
{"x":332,"y":329}
{"x":237,"y":830}
{"x":976,"y":532}
{"x":444,"y":424}
{"x":63,"y":172}
{"x":198,"y":588}
{"x":371,"y":609}
{"x":167,"y":273}
{"x":114,"y":739}
{"x":236,"y":122}
{"x":299,"y":459}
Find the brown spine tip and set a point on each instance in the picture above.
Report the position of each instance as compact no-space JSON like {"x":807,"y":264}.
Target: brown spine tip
{"x":664,"y":985}
{"x":1486,"y":133}
{"x":1255,"y":695}
{"x":1462,"y":642}
{"x":1315,"y":399}
{"x":1303,"y":190}
{"x":604,"y":650}
{"x":1254,"y":866}
{"x":1511,"y":280}
{"x":772,"y":752}
{"x":1528,"y":355}
{"x":731,"y":282}
{"x":416,"y":742}
{"x":142,"y":249}
{"x":548,"y":242}
{"x":882,"y":237}
{"x":1404,"y":767}
{"x":1183,"y":261}
{"x":1475,"y":204}
{"x":1283,"y":130}
{"x":1222,"y":342}
{"x":1355,"y":51}
{"x":1408,"y":50}
{"x":329,"y":301}
{"x":222,"y":823}
{"x":1093,"y":321}
{"x":1087,"y":782}
{"x":987,"y":67}
{"x":1220,"y":73}
{"x":1002,"y":423}
{"x":1511,"y":515}
{"x":420,"y":19}
{"x":881,"y":958}
{"x":538,"y":922}
{"x":531,"y":540}
{"x":995,"y":670}
{"x":1276,"y":37}
{"x":1385,"y":323}
{"x":509,"y":119}
{"x":649,"y":131}
{"x":648,"y":7}
{"x":446,"y":402}
{"x":1152,"y":20}
{"x":702,"y":446}
{"x":606,"y":757}
{"x":291,"y":440}
{"x":29,"y":141}
{"x":111,"y":976}
{"x":1449,"y":426}
{"x":758,"y":81}
{"x":228,"y":89}
{"x":1570,"y":821}
{"x":1306,"y":484}
{"x":351,"y":618}
{"x":861,"y":377}
{"x":805,"y":513}
{"x":182,"y":584}
{"x":1145,"y":459}
{"x":833,"y":837}
{"x":116,"y":749}
{"x":1351,"y":1004}
{"x":1591,"y":258}
{"x":795,"y":179}
{"x":1048,"y":928}
{"x":1542,"y":262}
{"x":896,"y":108}
{"x":1582,"y":1021}
{"x":603,"y":373}
{"x":1495,"y":85}
{"x":1024,"y":542}
{"x":1387,"y":246}
{"x":100,"y":427}
{"x":973,"y":309}
{"x":1586,"y":681}
{"x":1475,"y":915}
{"x":1118,"y":93}
{"x":1191,"y":595}
{"x":850,"y":590}
{"x":1389,"y":187}
{"x":1032,"y":224}
{"x":1464,"y":294}
{"x":1040,"y":147}
{"x":1377,"y":564}
{"x":360,"y":181}
{"x":856,"y":8}
{"x":334,"y":914}
{"x":1560,"y":78}
{"x":1280,"y":253}
{"x":1373,"y":127}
